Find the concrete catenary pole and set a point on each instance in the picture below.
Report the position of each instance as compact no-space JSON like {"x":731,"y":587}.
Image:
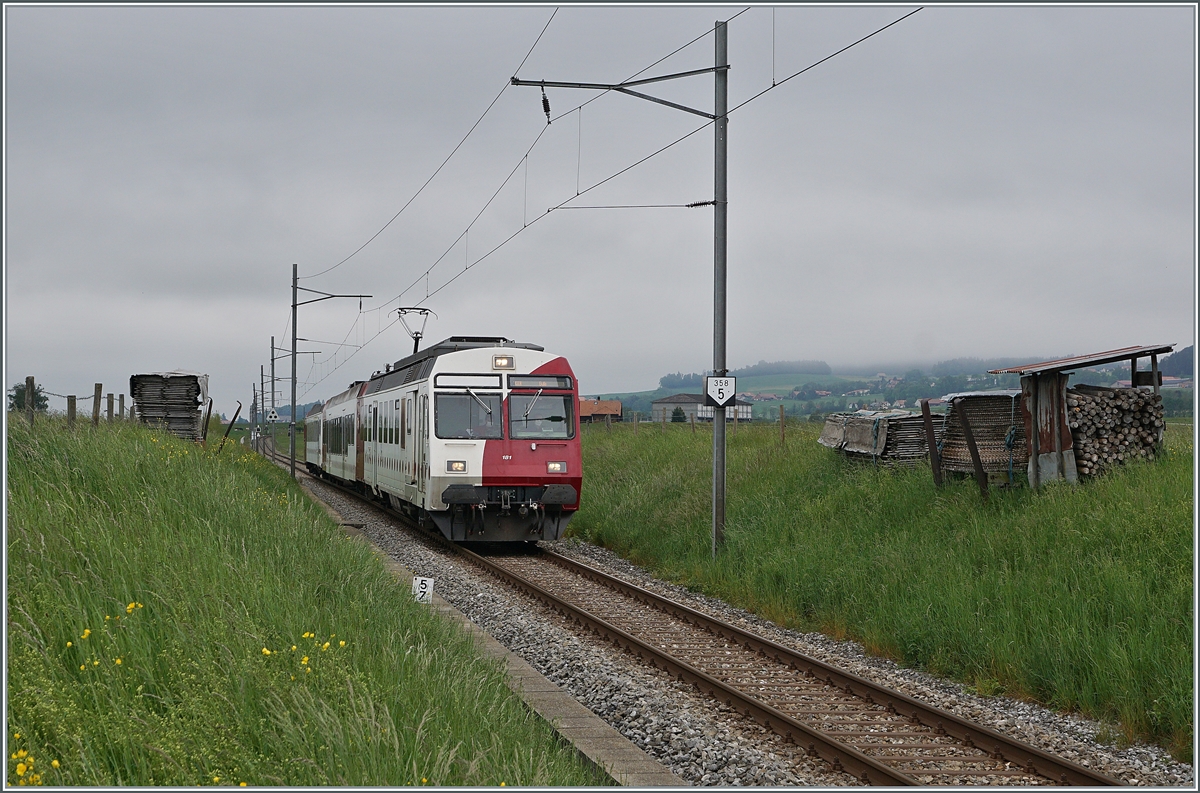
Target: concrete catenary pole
{"x":292,"y":418}
{"x":720,"y":164}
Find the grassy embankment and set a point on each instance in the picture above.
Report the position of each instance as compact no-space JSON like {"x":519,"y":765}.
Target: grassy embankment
{"x":176,"y":618}
{"x":1078,"y":597}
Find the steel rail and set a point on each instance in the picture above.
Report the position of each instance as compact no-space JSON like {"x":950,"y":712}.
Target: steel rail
{"x":840,"y":756}
{"x":1000,"y":746}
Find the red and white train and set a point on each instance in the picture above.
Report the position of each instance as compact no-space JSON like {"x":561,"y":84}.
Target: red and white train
{"x":478,"y":434}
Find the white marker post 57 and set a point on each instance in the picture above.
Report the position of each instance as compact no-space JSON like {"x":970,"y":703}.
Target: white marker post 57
{"x":422,"y":589}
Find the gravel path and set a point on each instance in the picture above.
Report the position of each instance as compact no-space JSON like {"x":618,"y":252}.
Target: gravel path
{"x":702,"y":743}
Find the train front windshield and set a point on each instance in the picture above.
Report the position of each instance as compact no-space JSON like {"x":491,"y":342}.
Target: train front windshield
{"x":470,"y":415}
{"x":540,"y":416}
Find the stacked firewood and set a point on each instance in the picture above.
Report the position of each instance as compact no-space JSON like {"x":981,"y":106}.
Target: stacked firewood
{"x":1111,"y":426}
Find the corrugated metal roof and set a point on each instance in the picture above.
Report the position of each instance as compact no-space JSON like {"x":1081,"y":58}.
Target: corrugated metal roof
{"x":1080,"y":361}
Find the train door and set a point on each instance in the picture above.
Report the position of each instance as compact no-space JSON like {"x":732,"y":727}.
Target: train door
{"x":375,"y":445}
{"x":360,"y":438}
{"x":408,"y":419}
{"x":423,"y":443}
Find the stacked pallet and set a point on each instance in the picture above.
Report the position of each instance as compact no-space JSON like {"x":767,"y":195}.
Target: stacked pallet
{"x":171,"y":400}
{"x":1110,"y":426}
{"x":886,"y":436}
{"x":997,"y":427}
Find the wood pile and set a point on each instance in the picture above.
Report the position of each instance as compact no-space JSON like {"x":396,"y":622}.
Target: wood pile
{"x":171,"y":400}
{"x":997,"y":427}
{"x":1111,"y":426}
{"x":889,"y":437}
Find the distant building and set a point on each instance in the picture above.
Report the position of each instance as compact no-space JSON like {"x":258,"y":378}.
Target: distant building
{"x":693,"y":405}
{"x":689,"y":402}
{"x":745,"y":412}
{"x":599,"y":409}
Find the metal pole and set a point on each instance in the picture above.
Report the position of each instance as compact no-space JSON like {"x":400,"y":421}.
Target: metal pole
{"x":273,"y":381}
{"x":292,"y":418}
{"x":720,"y":134}
{"x":262,"y":421}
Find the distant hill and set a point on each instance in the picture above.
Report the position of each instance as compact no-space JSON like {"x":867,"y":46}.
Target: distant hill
{"x":1178,"y":364}
{"x":301,"y":410}
{"x":957,"y":366}
{"x":783,"y":367}
{"x":696,"y":380}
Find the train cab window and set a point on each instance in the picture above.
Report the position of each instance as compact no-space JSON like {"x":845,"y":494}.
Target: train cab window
{"x":541,"y":415}
{"x":470,"y":415}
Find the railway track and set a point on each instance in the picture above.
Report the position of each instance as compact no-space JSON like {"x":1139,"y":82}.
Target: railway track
{"x":876,"y":735}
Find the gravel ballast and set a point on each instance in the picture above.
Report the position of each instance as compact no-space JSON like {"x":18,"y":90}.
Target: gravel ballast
{"x":702,"y":742}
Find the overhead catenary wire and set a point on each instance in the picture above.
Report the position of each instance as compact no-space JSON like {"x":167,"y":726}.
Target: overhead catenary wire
{"x":562,"y":205}
{"x":443,"y":165}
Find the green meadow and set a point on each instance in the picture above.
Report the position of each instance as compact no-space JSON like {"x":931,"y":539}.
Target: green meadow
{"x":1079,"y":597}
{"x":182,"y":618}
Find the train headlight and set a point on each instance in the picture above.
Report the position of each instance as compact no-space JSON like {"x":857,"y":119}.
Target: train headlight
{"x":556,"y":468}
{"x":456,"y":466}
{"x":502,"y":362}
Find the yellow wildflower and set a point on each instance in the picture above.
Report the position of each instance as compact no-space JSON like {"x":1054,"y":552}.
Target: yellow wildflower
{"x":95,"y":663}
{"x":342,"y":643}
{"x":20,"y":769}
{"x":241,"y":784}
{"x":139,"y":605}
{"x":266,"y":651}
{"x":307,"y":670}
{"x":324,"y":646}
{"x":216,"y":779}
{"x":107,"y":618}
{"x":423,"y":780}
{"x":16,"y":736}
{"x":21,"y":754}
{"x":54,"y":763}
{"x":129,"y":609}
{"x":86,"y":633}
{"x":82,"y":666}
{"x":118,"y":662}
{"x":68,"y":644}
{"x":304,"y":660}
{"x":293,"y":648}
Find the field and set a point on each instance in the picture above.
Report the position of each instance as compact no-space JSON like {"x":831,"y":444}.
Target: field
{"x":178,"y":618}
{"x":1077,"y":597}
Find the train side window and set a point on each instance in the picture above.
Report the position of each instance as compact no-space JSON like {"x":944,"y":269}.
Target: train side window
{"x":404,"y":429}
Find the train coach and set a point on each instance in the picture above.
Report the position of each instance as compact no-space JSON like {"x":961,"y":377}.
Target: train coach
{"x":479,"y":435}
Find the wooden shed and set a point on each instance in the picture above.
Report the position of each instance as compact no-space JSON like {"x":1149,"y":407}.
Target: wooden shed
{"x":1044,"y":405}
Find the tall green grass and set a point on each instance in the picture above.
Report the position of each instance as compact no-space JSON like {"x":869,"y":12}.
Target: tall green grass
{"x":176,"y":618}
{"x":1078,"y":597}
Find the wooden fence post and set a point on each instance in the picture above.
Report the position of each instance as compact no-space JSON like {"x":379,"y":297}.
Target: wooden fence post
{"x":121,"y":407}
{"x":30,"y":397}
{"x":735,"y":414}
{"x":96,"y":404}
{"x":110,"y":408}
{"x":980,"y":476}
{"x":693,"y":417}
{"x":607,"y":423}
{"x":71,"y":412}
{"x":664,"y":417}
{"x":635,"y":422}
{"x":782,"y":424}
{"x":935,"y":459}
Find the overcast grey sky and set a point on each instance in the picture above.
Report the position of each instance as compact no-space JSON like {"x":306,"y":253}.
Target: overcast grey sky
{"x":973,"y":181}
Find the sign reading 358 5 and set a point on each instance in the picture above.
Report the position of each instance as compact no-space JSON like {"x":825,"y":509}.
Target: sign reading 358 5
{"x":719,"y":391}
